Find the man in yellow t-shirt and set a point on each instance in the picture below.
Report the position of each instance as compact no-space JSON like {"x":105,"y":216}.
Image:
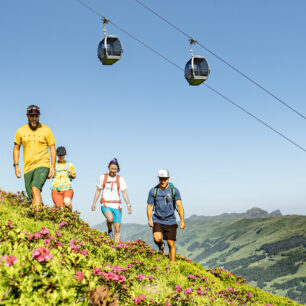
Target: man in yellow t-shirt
{"x":35,"y":138}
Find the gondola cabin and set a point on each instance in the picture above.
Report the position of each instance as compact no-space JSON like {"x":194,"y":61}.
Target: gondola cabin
{"x":109,"y":50}
{"x":196,"y":70}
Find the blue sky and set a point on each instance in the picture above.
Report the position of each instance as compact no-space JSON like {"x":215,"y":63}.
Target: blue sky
{"x":142,"y":111}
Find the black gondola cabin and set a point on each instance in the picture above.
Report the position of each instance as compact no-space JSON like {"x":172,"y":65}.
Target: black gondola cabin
{"x":196,"y":70}
{"x":109,"y":50}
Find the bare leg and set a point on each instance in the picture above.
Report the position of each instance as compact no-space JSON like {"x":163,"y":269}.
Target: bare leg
{"x":36,"y":200}
{"x":172,"y":251}
{"x":67,"y":203}
{"x":158,"y":239}
{"x":117,"y":232}
{"x":109,"y":220}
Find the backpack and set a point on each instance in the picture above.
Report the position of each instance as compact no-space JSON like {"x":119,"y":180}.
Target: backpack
{"x":102,"y":201}
{"x":61,"y":170}
{"x":173,"y":200}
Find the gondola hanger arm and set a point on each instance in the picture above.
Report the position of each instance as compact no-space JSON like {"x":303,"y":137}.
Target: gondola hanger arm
{"x":105,"y":21}
{"x":192,"y":41}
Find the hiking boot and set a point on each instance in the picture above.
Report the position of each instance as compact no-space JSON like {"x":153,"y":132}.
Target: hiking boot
{"x":110,"y":234}
{"x":161,"y":248}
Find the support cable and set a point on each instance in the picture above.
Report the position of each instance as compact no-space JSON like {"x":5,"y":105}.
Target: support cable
{"x":180,"y":68}
{"x":221,"y":59}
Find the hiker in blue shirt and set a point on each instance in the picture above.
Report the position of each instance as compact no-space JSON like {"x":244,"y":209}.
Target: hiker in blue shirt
{"x":163,"y":200}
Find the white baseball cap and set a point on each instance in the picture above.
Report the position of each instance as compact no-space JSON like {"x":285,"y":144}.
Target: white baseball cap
{"x":163,"y":173}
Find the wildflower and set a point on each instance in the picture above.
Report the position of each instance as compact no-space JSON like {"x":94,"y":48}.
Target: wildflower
{"x":84,"y":252}
{"x":58,"y":233}
{"x":9,"y":260}
{"x":59,"y":243}
{"x":250,"y":294}
{"x":190,"y":276}
{"x":97,"y":271}
{"x":63,"y":223}
{"x":158,"y":259}
{"x":44,"y":231}
{"x":37,"y":236}
{"x":168,"y":304}
{"x":187,"y":291}
{"x":42,"y":254}
{"x":79,"y":276}
{"x":178,"y":288}
{"x":140,"y":277}
{"x":150,"y":277}
{"x":10,"y":224}
{"x":200,"y":290}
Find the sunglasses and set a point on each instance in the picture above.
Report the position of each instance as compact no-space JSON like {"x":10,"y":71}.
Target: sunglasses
{"x":33,"y":110}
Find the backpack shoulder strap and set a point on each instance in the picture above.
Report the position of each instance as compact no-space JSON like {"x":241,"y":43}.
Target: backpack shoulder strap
{"x":173,"y":195}
{"x":118,"y":183}
{"x":155,"y":193}
{"x":104,"y":180}
{"x":172,"y":190}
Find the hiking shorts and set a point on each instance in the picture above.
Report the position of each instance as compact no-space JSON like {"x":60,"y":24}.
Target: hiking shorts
{"x":35,"y":178}
{"x":168,"y":231}
{"x":58,"y":196}
{"x":117,"y":214}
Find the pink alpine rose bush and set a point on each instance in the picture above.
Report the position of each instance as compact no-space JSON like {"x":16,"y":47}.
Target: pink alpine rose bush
{"x":42,"y":254}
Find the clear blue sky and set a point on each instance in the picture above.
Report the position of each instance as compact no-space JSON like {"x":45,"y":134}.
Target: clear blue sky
{"x":142,"y":111}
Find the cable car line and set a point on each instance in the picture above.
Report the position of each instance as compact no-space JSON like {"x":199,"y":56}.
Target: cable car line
{"x":180,"y":68}
{"x":221,"y":59}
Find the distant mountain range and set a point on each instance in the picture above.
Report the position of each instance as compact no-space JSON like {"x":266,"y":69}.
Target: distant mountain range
{"x":268,"y":249}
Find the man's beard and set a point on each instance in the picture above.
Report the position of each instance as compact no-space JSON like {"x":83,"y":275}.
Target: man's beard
{"x":34,"y":128}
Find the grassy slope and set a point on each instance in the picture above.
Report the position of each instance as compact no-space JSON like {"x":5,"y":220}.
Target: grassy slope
{"x":54,"y":281}
{"x":224,"y":243}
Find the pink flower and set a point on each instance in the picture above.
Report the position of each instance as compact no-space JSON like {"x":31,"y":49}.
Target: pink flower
{"x":187,"y":291}
{"x":59,"y":243}
{"x":10,"y":224}
{"x":37,"y":236}
{"x":75,"y":248}
{"x":250,"y":294}
{"x":150,"y":277}
{"x":44,"y":231}
{"x":158,"y":259}
{"x":136,"y":300}
{"x":79,"y":276}
{"x":168,"y":304}
{"x":178,"y":288}
{"x":9,"y":260}
{"x":58,"y":233}
{"x":124,"y":287}
{"x":84,"y":252}
{"x":190,"y":276}
{"x":63,"y":223}
{"x":97,"y":271}
{"x":140,"y":277}
{"x":200,"y":290}
{"x":42,"y":254}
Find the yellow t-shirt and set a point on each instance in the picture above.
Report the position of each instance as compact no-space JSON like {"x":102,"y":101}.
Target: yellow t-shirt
{"x":61,"y":179}
{"x":35,"y":146}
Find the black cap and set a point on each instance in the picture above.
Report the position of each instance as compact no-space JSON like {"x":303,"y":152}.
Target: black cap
{"x":60,"y":151}
{"x":33,"y":109}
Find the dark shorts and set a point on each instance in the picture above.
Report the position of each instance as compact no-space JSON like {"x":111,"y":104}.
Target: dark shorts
{"x":168,"y":231}
{"x":35,"y":178}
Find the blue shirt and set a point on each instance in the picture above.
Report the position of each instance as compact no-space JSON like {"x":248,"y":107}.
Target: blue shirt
{"x":164,"y":206}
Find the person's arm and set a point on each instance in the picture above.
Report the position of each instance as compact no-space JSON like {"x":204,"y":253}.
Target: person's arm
{"x":126,"y":200}
{"x":96,"y":197}
{"x":53,"y":159}
{"x":180,"y":211}
{"x":71,"y":171}
{"x":16,"y":153}
{"x":149,"y":214}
